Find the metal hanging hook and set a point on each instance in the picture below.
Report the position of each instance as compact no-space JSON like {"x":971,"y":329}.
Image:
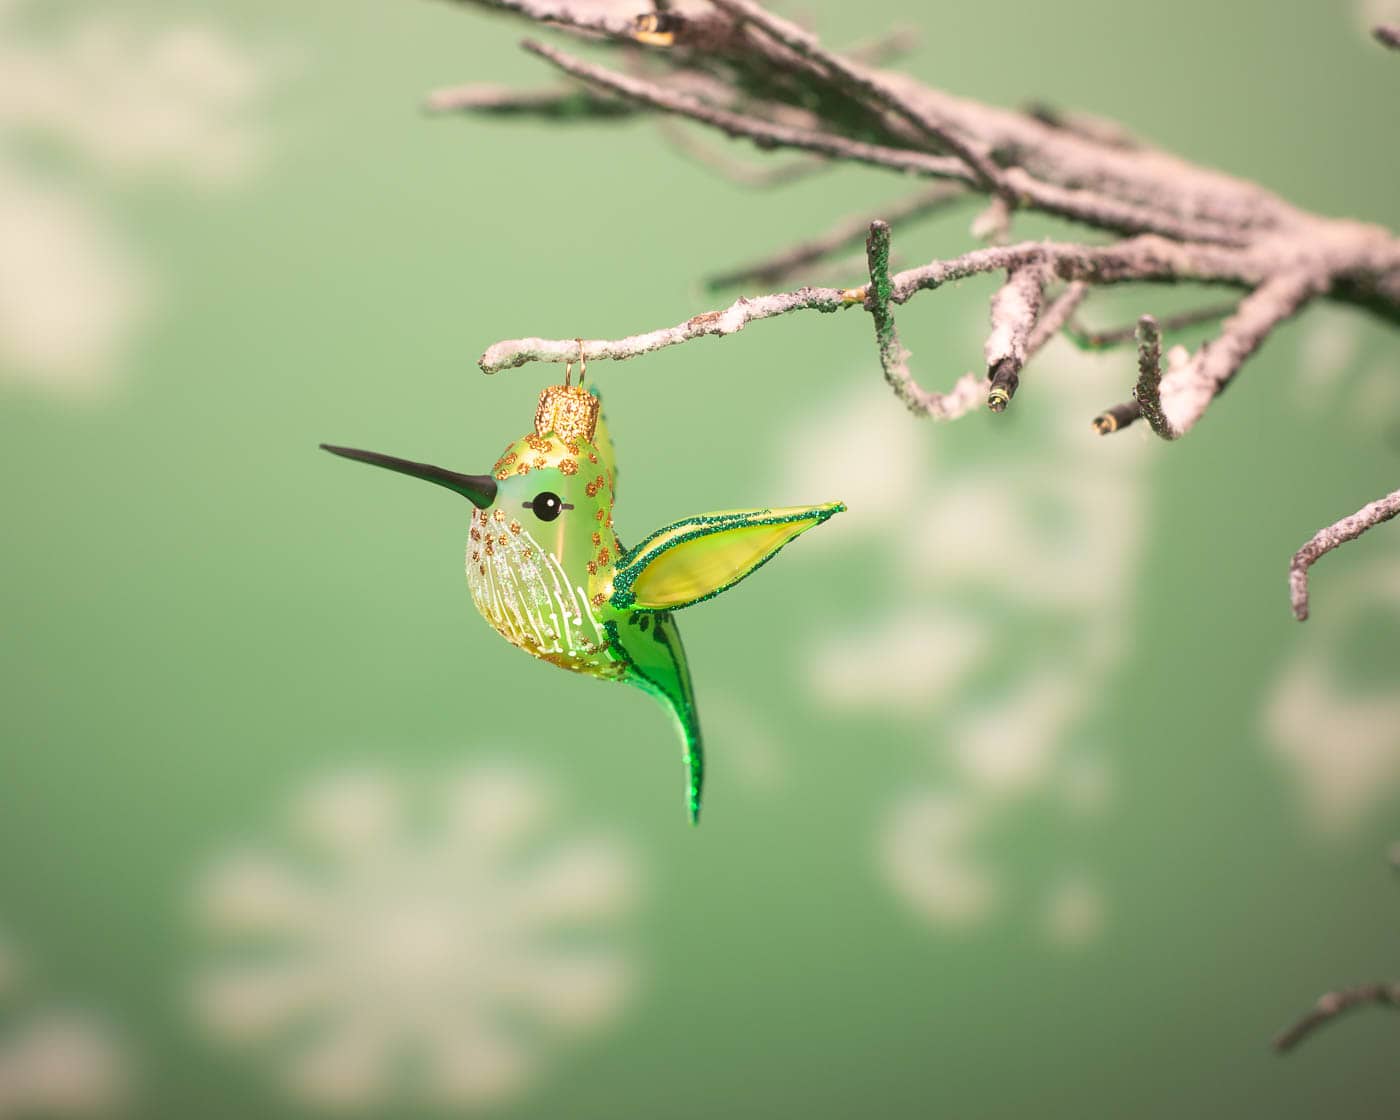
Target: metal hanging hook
{"x":582,"y":362}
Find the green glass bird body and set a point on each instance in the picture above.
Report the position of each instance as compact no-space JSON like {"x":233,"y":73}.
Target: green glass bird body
{"x":547,"y":571}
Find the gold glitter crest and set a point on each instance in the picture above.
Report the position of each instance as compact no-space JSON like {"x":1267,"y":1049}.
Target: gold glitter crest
{"x":570,"y":412}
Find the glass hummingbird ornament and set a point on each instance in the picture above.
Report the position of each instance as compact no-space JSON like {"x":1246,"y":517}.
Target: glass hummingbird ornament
{"x":547,"y":571}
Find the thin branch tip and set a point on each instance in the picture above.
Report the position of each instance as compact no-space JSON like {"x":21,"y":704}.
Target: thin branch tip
{"x":1333,"y":1004}
{"x":1334,"y":536}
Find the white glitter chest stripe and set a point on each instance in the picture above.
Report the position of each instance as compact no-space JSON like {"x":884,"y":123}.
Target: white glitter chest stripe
{"x":539,"y":612}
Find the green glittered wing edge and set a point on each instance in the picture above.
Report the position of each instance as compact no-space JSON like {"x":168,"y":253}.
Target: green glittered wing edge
{"x":700,"y":532}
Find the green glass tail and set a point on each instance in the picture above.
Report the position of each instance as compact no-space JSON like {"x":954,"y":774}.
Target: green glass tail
{"x":651,"y":643}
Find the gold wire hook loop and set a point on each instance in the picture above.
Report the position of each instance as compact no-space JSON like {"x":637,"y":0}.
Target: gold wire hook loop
{"x":568,"y":372}
{"x":582,"y":362}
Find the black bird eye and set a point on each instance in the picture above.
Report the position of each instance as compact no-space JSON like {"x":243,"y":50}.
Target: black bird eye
{"x":547,"y":505}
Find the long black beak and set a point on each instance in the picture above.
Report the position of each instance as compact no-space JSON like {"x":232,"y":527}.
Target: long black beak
{"x":479,"y":489}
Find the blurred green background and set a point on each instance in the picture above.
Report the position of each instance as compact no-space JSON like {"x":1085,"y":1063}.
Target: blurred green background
{"x":1027,"y":795}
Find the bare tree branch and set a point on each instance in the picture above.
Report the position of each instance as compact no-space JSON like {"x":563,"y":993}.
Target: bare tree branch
{"x":766,"y":134}
{"x":1188,"y":391}
{"x":1119,"y":416}
{"x":1015,"y":309}
{"x":1142,"y":258}
{"x":1100,"y":130}
{"x":1148,"y":392}
{"x":1333,"y":1004}
{"x":771,"y":270}
{"x":734,"y":67}
{"x":1325,"y":540}
{"x":1053,"y":318}
{"x":739,"y":171}
{"x":563,"y":14}
{"x":894,"y":358}
{"x":563,"y":102}
{"x":1388,"y":34}
{"x":866,"y":86}
{"x":1087,"y":339}
{"x":1018,"y":332}
{"x":889,"y":47}
{"x":519,"y":351}
{"x":1074,"y":203}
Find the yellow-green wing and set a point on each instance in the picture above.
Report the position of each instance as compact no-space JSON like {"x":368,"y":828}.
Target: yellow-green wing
{"x":699,"y":557}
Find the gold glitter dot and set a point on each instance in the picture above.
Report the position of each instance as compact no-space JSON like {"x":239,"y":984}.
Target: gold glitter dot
{"x":529,"y":552}
{"x":593,"y":487}
{"x":597,"y":538}
{"x":601,"y":515}
{"x":568,"y":466}
{"x":592,"y":568}
{"x":502,"y":475}
{"x":604,"y":556}
{"x":515,"y":526}
{"x":490,"y":547}
{"x":524,"y":468}
{"x":599,"y":599}
{"x":541,"y":462}
{"x":574,"y":448}
{"x":483,"y":569}
{"x":499,"y":515}
{"x":475,"y":556}
{"x":476,"y":534}
{"x":504,"y":540}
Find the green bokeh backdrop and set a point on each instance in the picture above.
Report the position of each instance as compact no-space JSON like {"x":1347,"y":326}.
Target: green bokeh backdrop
{"x":202,"y":613}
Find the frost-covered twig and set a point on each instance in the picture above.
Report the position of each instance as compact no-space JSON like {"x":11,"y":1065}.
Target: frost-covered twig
{"x":850,"y":231}
{"x":1087,"y":339}
{"x":745,"y":173}
{"x":766,"y":134}
{"x":731,"y":66}
{"x":868,"y":86}
{"x":547,"y":103}
{"x":568,"y":15}
{"x":518,"y":351}
{"x":1325,"y":540}
{"x":1148,"y":391}
{"x":1187,"y":391}
{"x":1072,"y":202}
{"x":1144,"y":258}
{"x":1015,"y":310}
{"x":1329,"y":1006}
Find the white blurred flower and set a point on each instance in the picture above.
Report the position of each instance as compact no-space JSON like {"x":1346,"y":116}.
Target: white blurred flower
{"x":72,"y":292}
{"x":1331,"y":339}
{"x":926,"y":855}
{"x":1074,"y":912}
{"x":907,"y":664}
{"x":445,"y":927}
{"x":130,"y":101}
{"x":751,"y":748}
{"x":55,"y":1060}
{"x":1008,"y":746}
{"x":1044,"y":546}
{"x":1340,"y":737}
